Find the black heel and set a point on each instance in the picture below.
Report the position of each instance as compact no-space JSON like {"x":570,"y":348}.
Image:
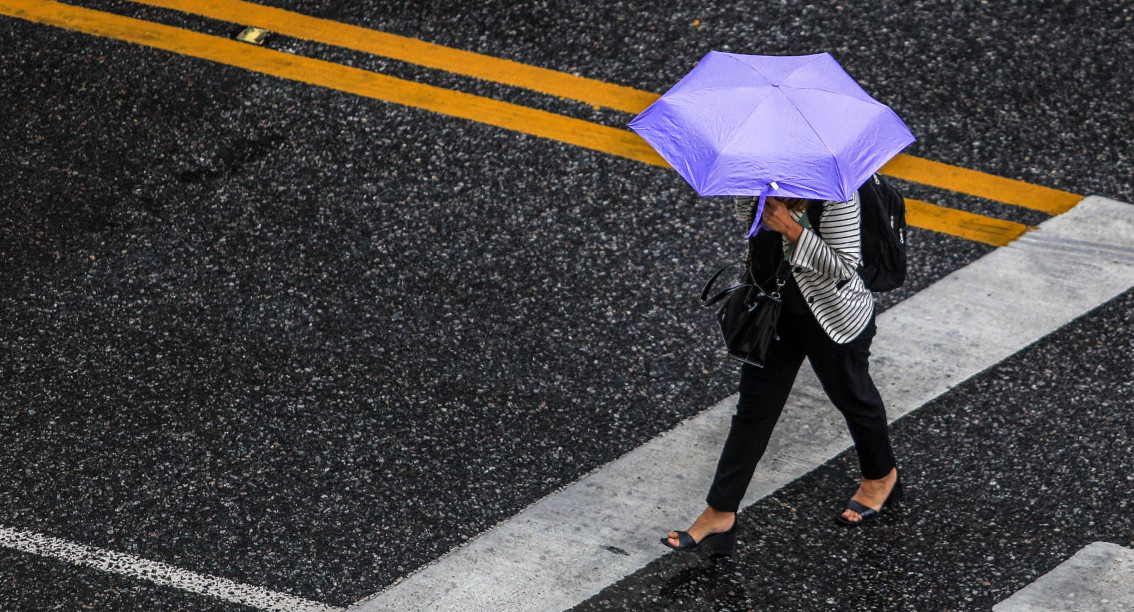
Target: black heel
{"x":722,"y":543}
{"x":896,"y":495}
{"x":869,"y":514}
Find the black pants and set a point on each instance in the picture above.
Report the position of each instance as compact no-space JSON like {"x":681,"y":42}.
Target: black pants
{"x":843,"y":371}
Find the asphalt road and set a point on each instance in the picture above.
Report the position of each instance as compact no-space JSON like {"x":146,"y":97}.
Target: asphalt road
{"x":311,"y":341}
{"x":1007,"y":476}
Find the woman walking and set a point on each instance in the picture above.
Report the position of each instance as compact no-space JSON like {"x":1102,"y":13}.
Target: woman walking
{"x":828,"y":318}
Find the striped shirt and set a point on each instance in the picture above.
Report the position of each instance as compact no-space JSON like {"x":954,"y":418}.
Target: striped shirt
{"x":825,"y":266}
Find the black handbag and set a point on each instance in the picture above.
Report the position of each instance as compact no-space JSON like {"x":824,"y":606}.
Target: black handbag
{"x":748,"y":313}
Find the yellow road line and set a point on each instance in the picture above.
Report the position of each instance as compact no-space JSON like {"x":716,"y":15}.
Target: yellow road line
{"x":336,"y":76}
{"x":467,"y":106}
{"x":590,"y":91}
{"x":980,"y":184}
{"x":296,"y":25}
{"x":971,"y":226}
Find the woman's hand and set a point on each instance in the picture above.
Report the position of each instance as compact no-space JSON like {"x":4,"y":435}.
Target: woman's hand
{"x":778,"y":218}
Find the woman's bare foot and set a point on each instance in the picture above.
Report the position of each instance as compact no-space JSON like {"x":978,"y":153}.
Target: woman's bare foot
{"x":711,"y":521}
{"x":872,"y":494}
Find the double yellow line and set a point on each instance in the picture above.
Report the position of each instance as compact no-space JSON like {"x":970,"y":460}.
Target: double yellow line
{"x":494,"y":112}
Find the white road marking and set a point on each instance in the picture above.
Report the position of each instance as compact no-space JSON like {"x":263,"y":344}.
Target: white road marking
{"x":1096,"y":579}
{"x":570,"y":545}
{"x":155,"y":572}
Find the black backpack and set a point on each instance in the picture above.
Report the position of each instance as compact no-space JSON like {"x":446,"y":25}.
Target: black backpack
{"x":883,"y":266}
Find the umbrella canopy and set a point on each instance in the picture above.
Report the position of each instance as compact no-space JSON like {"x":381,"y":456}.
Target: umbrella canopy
{"x":758,"y":125}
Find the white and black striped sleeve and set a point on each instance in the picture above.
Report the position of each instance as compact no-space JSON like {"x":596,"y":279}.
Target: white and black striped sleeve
{"x":837,"y":253}
{"x":745,"y":207}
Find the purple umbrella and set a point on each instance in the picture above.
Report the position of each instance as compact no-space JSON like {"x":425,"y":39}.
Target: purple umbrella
{"x":759,"y":125}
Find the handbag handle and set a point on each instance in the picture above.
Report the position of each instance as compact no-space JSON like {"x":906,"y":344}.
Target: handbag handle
{"x":780,"y":280}
{"x":705,"y":300}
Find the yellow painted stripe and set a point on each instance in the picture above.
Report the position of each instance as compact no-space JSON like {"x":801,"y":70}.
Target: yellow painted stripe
{"x":326,"y":31}
{"x":467,"y":106}
{"x":970,"y":226}
{"x":335,"y":76}
{"x":980,"y":184}
{"x":590,"y":91}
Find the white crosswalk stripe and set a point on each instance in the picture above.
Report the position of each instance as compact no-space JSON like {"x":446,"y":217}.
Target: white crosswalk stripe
{"x":1098,"y":578}
{"x":570,"y":545}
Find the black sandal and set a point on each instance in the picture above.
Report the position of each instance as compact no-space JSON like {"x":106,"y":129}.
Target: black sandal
{"x":867,"y":513}
{"x":722,"y":543}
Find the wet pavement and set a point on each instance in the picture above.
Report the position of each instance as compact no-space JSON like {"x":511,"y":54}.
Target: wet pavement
{"x":1006,"y":476}
{"x":309,"y":341}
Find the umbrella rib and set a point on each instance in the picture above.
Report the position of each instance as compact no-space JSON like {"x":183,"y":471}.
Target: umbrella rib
{"x":814,"y":58}
{"x":818,"y":137}
{"x":735,"y":135}
{"x":838,"y":170}
{"x":834,"y":157}
{"x":724,"y":146}
{"x":748,"y":66}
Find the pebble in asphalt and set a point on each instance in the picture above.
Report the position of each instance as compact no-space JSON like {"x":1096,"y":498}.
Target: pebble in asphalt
{"x":213,"y":344}
{"x":1008,"y":475}
{"x":211,"y":351}
{"x":30,"y":582}
{"x":206,"y":352}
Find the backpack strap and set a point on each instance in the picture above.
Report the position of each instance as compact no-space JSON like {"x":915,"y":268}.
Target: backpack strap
{"x":814,"y":215}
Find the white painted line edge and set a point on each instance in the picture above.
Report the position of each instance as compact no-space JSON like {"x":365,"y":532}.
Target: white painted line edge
{"x":156,"y":572}
{"x":572,"y":544}
{"x":1098,"y":578}
{"x":548,"y":557}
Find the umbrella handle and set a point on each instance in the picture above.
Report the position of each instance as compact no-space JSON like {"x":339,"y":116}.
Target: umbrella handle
{"x":757,"y":225}
{"x":758,"y":219}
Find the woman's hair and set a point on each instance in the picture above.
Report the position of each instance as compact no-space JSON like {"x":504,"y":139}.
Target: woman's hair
{"x":798,"y":204}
